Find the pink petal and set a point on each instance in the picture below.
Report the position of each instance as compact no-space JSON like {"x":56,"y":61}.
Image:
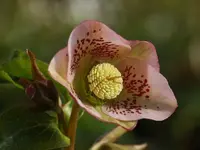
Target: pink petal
{"x":96,"y":40}
{"x":58,"y":67}
{"x":58,"y":71}
{"x":97,"y":113}
{"x":145,"y":51}
{"x":146,"y":93}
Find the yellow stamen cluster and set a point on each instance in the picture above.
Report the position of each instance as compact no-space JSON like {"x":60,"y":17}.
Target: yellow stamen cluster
{"x":105,"y":81}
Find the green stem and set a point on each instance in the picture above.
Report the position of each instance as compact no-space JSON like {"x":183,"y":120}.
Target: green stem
{"x":62,"y":120}
{"x":72,"y":126}
{"x":110,"y":137}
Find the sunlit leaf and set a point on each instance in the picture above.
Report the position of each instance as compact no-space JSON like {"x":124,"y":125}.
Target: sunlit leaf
{"x":4,"y":77}
{"x":19,"y":67}
{"x":114,"y":146}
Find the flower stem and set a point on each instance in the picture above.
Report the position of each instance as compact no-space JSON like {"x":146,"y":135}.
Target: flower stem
{"x":71,"y":130}
{"x":109,"y":137}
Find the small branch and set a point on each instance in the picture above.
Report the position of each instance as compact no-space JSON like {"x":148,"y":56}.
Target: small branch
{"x":110,"y":137}
{"x":36,"y":73}
{"x":72,"y":126}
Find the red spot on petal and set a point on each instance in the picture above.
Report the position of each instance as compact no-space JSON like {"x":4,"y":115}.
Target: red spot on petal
{"x":147,"y":96}
{"x":88,"y":40}
{"x":82,"y":41}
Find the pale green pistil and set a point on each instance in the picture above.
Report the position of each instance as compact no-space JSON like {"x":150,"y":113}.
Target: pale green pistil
{"x":105,"y":81}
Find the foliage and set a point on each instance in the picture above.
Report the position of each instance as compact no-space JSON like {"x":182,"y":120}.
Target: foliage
{"x":22,"y":124}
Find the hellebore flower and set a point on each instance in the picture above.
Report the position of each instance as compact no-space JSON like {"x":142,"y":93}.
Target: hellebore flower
{"x":113,"y":79}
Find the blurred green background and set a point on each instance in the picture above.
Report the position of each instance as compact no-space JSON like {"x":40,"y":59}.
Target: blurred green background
{"x":173,"y":26}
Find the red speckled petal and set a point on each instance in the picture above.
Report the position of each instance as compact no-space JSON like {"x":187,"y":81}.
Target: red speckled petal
{"x":98,"y":114}
{"x":97,"y":40}
{"x":146,"y":93}
{"x":58,"y":71}
{"x":58,"y":67}
{"x":145,"y":51}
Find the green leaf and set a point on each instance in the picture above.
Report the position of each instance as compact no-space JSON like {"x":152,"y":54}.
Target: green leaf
{"x":19,"y":66}
{"x":5,"y":77}
{"x":24,"y":128}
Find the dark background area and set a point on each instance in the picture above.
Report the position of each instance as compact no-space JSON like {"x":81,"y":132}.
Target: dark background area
{"x":173,"y":26}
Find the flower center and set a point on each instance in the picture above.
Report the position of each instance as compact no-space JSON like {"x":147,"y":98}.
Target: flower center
{"x":105,"y":81}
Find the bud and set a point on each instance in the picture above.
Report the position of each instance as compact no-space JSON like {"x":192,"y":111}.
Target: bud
{"x":40,"y":90}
